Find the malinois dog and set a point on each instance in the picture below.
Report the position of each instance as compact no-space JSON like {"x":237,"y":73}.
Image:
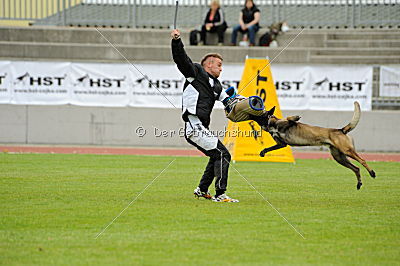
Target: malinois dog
{"x":289,"y":131}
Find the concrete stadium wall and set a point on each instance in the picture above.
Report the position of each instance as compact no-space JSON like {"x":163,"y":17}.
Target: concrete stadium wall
{"x":350,"y":46}
{"x":76,"y":125}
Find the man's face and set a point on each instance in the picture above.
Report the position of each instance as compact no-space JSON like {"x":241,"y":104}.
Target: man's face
{"x":214,"y":66}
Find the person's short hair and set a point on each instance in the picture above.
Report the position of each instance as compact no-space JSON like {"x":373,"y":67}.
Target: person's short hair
{"x":216,"y":55}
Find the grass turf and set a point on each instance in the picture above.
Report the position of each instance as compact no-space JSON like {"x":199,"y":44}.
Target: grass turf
{"x":53,"y":206}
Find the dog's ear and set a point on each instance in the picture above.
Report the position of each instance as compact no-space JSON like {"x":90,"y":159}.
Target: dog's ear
{"x":271,"y":111}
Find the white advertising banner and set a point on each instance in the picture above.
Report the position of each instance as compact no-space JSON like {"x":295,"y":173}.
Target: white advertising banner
{"x":159,"y":86}
{"x":336,"y":88}
{"x":100,"y":84}
{"x":299,"y":87}
{"x":39,"y":83}
{"x":291,"y":83}
{"x":5,"y":81}
{"x":316,"y":87}
{"x":390,"y":81}
{"x":159,"y":80}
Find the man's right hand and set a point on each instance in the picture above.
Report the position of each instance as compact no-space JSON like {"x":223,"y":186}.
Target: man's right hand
{"x":175,"y":34}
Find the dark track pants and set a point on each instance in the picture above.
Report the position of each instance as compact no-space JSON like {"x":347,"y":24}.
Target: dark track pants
{"x":217,"y":166}
{"x":220,"y":30}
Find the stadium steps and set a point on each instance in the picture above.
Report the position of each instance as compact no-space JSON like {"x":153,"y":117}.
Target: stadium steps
{"x":304,"y":38}
{"x":161,"y":53}
{"x":134,"y":53}
{"x":356,"y":51}
{"x":368,"y":39}
{"x":363,"y":43}
{"x":86,"y":44}
{"x":85,"y":35}
{"x":355,"y":59}
{"x":307,"y":38}
{"x":371,"y":35}
{"x":136,"y":36}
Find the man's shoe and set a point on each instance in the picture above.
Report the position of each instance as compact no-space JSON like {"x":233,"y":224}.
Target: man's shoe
{"x":224,"y":198}
{"x":200,"y":194}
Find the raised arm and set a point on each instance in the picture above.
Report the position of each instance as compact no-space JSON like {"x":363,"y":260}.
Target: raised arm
{"x":181,"y":59}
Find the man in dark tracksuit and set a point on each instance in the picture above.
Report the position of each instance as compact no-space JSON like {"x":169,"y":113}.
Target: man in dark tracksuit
{"x":201,"y":90}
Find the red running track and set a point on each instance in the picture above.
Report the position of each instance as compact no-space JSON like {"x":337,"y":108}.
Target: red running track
{"x":387,"y":157}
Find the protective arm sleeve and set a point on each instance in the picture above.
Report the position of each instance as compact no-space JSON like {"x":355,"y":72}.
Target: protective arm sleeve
{"x":229,"y":98}
{"x":182,"y":60}
{"x":229,"y":95}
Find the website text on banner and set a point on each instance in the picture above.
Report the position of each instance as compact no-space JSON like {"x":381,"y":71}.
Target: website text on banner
{"x":316,"y":87}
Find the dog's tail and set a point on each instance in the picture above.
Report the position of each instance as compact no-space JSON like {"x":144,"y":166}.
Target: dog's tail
{"x":354,"y":121}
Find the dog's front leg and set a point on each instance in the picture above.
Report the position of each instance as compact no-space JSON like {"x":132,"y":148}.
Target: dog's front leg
{"x":275,"y":147}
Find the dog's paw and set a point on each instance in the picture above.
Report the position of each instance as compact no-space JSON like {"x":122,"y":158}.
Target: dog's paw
{"x":359,"y":185}
{"x":372,"y":174}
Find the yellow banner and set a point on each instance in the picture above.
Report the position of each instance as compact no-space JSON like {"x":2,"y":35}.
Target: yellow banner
{"x":245,"y":140}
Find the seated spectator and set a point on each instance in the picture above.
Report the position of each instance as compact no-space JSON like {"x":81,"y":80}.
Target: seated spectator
{"x":248,"y":22}
{"x":214,"y":22}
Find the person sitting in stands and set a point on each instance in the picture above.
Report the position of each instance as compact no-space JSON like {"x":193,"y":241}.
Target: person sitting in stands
{"x":248,"y":22}
{"x":214,"y":22}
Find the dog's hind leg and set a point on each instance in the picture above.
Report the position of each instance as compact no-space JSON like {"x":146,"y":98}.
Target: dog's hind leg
{"x":341,"y":158}
{"x":353,"y":154}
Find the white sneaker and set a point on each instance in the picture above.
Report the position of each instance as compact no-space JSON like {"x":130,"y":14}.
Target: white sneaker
{"x":224,"y":198}
{"x":199,"y":194}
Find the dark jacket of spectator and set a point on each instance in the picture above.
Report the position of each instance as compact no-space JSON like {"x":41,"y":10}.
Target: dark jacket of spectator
{"x":248,"y":14}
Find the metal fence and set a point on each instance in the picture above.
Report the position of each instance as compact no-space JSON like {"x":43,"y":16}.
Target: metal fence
{"x":159,"y":13}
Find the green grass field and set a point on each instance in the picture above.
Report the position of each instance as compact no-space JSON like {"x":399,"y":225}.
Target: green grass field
{"x":53,"y":206}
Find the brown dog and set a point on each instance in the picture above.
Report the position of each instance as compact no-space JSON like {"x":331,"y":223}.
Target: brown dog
{"x":290,"y":132}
